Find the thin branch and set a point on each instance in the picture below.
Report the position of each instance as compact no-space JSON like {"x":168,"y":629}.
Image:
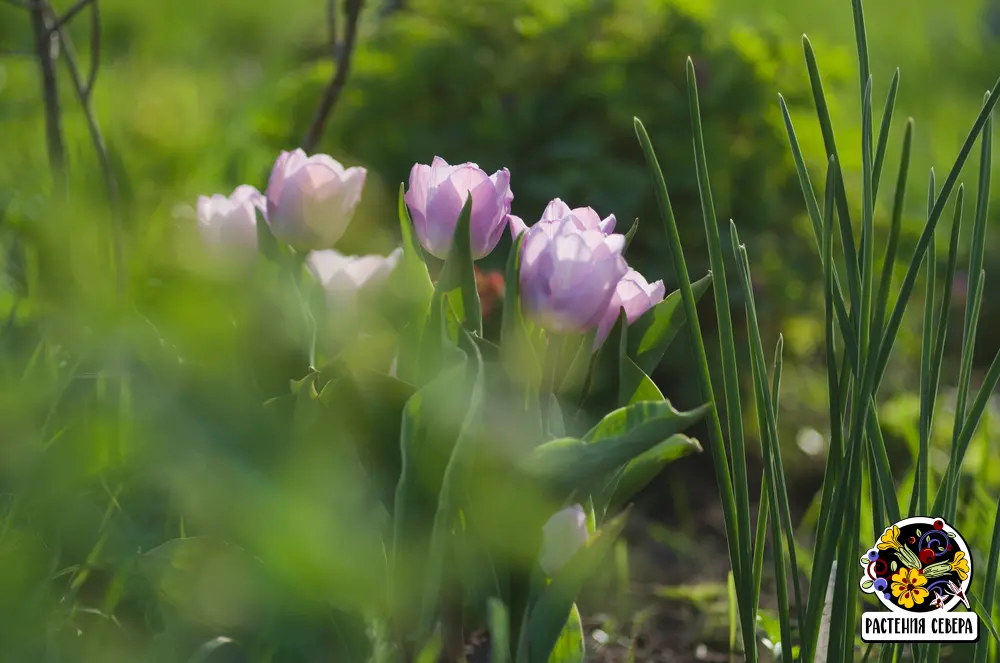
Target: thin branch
{"x":331,"y":26}
{"x":83,"y":92}
{"x":336,"y":85}
{"x":70,"y":13}
{"x":50,"y":94}
{"x":95,"y":46}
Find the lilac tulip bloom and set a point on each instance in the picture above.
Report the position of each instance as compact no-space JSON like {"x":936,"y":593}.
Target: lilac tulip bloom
{"x":229,"y":223}
{"x":311,"y":199}
{"x":634,"y":294}
{"x":342,"y":275}
{"x":563,"y":535}
{"x":568,"y":275}
{"x":437,"y":194}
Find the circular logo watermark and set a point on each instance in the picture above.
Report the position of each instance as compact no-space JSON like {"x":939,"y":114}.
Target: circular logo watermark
{"x":920,"y":567}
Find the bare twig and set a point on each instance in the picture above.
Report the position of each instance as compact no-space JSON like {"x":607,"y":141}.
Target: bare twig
{"x":70,"y":13}
{"x":352,"y":9}
{"x":83,"y":91}
{"x":50,"y":93}
{"x":331,"y":26}
{"x":95,"y":46}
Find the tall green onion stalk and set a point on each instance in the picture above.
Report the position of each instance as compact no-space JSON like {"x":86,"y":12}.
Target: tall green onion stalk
{"x":862,"y":324}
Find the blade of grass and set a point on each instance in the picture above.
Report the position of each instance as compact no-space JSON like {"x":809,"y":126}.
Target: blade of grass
{"x":731,"y":384}
{"x":975,"y":267}
{"x":942,"y":333}
{"x":772,"y":448}
{"x":836,"y":450}
{"x":889,"y":336}
{"x":892,"y":246}
{"x":926,"y":350}
{"x":716,"y":440}
{"x":843,"y":211}
{"x":883,"y":132}
{"x":763,"y":506}
{"x":812,"y":207}
{"x":990,"y":585}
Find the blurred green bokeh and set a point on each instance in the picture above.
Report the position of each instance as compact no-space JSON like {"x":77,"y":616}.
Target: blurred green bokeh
{"x":198,"y":97}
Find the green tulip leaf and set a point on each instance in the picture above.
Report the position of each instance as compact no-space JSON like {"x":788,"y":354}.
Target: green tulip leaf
{"x":446,"y":513}
{"x":641,"y":470}
{"x":630,"y":235}
{"x":634,"y":385}
{"x":266,"y":242}
{"x":622,"y":435}
{"x":655,"y":330}
{"x":459,"y":272}
{"x":498,"y":620}
{"x":570,"y":648}
{"x":187,"y":570}
{"x":552,"y":611}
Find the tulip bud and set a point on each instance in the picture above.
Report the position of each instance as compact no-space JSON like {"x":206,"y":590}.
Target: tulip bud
{"x":230,"y":223}
{"x":563,"y":534}
{"x":342,"y":275}
{"x":437,"y":194}
{"x":568,"y":275}
{"x":310,"y":200}
{"x":633,"y":294}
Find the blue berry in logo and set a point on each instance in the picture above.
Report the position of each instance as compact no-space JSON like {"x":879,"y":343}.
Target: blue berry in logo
{"x":881,"y":585}
{"x":872,"y":555}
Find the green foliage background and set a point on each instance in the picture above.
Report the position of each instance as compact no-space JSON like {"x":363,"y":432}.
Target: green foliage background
{"x":198,"y":97}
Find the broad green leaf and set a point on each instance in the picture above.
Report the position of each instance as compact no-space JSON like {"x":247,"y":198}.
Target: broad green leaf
{"x":622,"y":435}
{"x":602,"y":380}
{"x":447,"y":504}
{"x":185,"y":571}
{"x":520,"y":359}
{"x":266,"y":243}
{"x":459,"y":272}
{"x":412,"y":283}
{"x":570,"y":648}
{"x":498,"y":620}
{"x":641,"y":470}
{"x":431,"y":422}
{"x":654,"y":331}
{"x":635,"y":386}
{"x":549,"y":613}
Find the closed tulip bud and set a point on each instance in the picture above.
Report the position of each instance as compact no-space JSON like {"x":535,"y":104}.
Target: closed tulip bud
{"x":634,"y":294}
{"x":342,"y":275}
{"x":568,"y":275}
{"x":311,"y":199}
{"x":229,"y":223}
{"x":563,"y":535}
{"x":437,"y":194}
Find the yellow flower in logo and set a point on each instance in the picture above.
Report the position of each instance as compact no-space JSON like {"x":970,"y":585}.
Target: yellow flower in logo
{"x":960,"y":565}
{"x":890,"y":539}
{"x":908,"y":587}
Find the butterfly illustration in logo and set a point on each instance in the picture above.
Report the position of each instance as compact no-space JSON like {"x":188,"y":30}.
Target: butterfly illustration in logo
{"x":957,"y":591}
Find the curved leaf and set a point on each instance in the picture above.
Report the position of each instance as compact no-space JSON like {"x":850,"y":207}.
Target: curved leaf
{"x":643,"y":469}
{"x":622,"y":435}
{"x":651,"y":335}
{"x":548,"y":617}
